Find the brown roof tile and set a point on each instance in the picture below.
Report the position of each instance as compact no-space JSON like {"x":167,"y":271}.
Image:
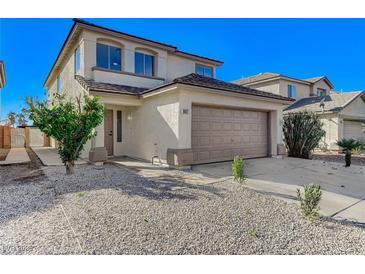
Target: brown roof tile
{"x":106,"y":87}
{"x":208,"y":82}
{"x":331,"y":103}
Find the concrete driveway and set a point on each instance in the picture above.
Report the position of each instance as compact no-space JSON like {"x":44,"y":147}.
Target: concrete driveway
{"x":343,"y":188}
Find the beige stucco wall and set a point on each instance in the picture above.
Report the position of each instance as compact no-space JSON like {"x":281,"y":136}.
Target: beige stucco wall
{"x":303,"y":90}
{"x":332,"y":124}
{"x":271,"y":86}
{"x":354,"y":110}
{"x":152,"y":128}
{"x":178,"y":66}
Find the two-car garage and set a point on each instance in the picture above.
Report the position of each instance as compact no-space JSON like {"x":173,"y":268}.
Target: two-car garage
{"x":219,"y":133}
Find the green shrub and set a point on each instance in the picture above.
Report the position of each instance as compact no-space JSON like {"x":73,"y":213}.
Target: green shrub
{"x":310,"y":201}
{"x":302,"y":133}
{"x":357,"y":151}
{"x":238,"y":169}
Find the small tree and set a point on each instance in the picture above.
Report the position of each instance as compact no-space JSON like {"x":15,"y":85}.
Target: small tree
{"x":70,"y":124}
{"x":238,"y":169}
{"x":310,"y":200}
{"x":11,"y":119}
{"x":302,"y":133}
{"x":348,"y":145}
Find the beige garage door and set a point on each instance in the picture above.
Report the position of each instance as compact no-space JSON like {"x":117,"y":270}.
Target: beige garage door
{"x":218,"y":134}
{"x":354,"y":129}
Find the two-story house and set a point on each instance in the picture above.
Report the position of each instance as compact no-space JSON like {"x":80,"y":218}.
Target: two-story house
{"x":288,"y":86}
{"x":342,"y":113}
{"x":162,"y":102}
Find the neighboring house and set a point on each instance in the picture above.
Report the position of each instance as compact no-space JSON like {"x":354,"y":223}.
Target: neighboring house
{"x":343,"y":115}
{"x":288,"y":86}
{"x":2,"y":80}
{"x":164,"y":103}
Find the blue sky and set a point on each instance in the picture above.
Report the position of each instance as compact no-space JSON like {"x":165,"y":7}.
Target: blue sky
{"x":300,"y":48}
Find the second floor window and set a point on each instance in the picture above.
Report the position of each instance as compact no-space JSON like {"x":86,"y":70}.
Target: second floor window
{"x":144,"y":64}
{"x":77,"y":60}
{"x":204,"y":70}
{"x":292,"y":91}
{"x":321,"y":92}
{"x":108,"y":57}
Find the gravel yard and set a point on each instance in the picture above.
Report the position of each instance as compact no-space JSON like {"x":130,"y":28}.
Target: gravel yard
{"x":111,"y":210}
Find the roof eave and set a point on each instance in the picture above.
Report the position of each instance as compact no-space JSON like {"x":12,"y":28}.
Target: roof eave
{"x":276,"y":78}
{"x":198,"y":58}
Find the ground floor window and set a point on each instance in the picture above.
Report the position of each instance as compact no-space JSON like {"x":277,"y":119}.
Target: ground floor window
{"x":119,"y":126}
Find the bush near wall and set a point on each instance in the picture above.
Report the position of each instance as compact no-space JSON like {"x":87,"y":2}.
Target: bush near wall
{"x":302,"y":133}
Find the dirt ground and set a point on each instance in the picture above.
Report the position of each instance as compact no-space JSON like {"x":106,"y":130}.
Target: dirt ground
{"x":339,"y":158}
{"x":22,"y":172}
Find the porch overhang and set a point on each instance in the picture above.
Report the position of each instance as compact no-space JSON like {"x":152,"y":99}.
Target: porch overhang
{"x":110,"y":98}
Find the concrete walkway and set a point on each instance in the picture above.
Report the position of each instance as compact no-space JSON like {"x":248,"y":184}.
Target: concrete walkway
{"x":343,"y":188}
{"x":50,"y":157}
{"x":16,"y":156}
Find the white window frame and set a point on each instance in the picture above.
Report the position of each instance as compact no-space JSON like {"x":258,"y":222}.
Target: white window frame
{"x":77,"y":52}
{"x":109,"y":65}
{"x":292,"y":91}
{"x":144,"y":63}
{"x":204,"y":68}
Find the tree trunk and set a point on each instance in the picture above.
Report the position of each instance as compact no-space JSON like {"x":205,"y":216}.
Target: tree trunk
{"x":348,"y":158}
{"x":69,"y":167}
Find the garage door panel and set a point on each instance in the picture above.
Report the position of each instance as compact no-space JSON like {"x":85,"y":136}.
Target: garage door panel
{"x":354,"y":129}
{"x":230,"y":132}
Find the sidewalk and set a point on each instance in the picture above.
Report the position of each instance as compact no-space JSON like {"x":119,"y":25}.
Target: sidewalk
{"x":16,"y":156}
{"x":50,"y":157}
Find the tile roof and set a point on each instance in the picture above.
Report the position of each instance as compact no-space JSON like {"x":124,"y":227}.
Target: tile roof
{"x":208,"y":82}
{"x":314,"y":79}
{"x":192,"y":79}
{"x":106,"y":87}
{"x":258,"y":77}
{"x":332,"y":103}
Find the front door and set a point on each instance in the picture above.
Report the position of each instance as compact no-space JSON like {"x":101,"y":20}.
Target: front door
{"x":108,"y":131}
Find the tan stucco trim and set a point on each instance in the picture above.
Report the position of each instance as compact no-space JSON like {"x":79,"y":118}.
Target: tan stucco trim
{"x":216,"y":91}
{"x":128,"y":73}
{"x":117,"y":98}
